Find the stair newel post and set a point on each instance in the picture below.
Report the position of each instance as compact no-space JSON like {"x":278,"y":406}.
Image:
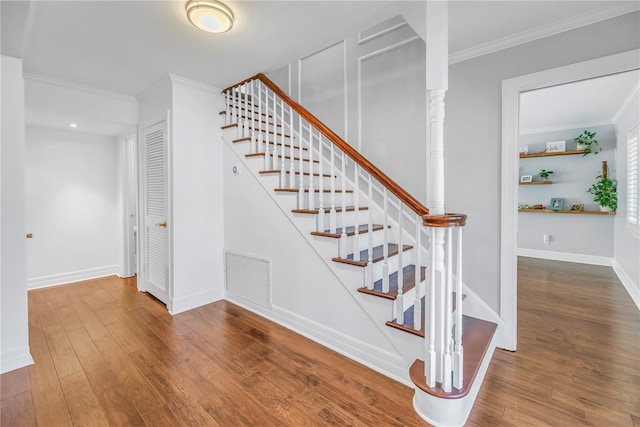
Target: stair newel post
{"x":332,"y":211}
{"x":417,"y":303}
{"x":283,"y":162}
{"x":448,"y":308}
{"x":370,"y":279}
{"x":400,"y":270}
{"x":320,"y":225}
{"x":458,"y":355}
{"x":292,"y":168}
{"x":430,"y":361}
{"x":312,"y":194}
{"x":301,"y":167}
{"x":385,"y":243}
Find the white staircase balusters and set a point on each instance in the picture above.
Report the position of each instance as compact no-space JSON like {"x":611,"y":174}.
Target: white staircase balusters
{"x":242,"y":116}
{"x":343,"y":250}
{"x":332,"y":195}
{"x":301,"y":167}
{"x":254,"y":137}
{"x":370,"y":278}
{"x":448,"y":344}
{"x":233,"y":105}
{"x":417,"y":303}
{"x":320,"y":226}
{"x":385,"y":243}
{"x":283,"y":162}
{"x":430,"y":326}
{"x":292,"y":141}
{"x":356,"y":214}
{"x":312,"y":194}
{"x":458,"y":355}
{"x":261,"y":147}
{"x":400,"y":270}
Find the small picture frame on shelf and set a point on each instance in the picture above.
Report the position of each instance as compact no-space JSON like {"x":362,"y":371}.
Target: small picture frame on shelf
{"x":526,"y":178}
{"x":556,"y":146}
{"x":524,"y":149}
{"x":556,"y":204}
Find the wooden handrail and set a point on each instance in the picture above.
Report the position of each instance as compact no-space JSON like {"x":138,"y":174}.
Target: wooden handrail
{"x":358,"y":158}
{"x":446,"y":220}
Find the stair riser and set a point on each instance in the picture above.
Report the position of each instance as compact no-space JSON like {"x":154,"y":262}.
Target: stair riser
{"x":392,"y":264}
{"x":339,"y":218}
{"x":361,"y":241}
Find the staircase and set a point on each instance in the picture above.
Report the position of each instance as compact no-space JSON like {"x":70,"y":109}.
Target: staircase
{"x":401,"y":255}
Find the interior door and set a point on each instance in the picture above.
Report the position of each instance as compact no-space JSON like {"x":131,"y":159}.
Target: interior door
{"x":154,"y":238}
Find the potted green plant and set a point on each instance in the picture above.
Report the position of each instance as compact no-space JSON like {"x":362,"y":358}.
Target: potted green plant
{"x":544,"y":174}
{"x":586,"y":141}
{"x":604,"y":193}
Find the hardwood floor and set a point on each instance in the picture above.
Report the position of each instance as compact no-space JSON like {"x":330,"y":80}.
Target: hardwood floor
{"x":108,"y":355}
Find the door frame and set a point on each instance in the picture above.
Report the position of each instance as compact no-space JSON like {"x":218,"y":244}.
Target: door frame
{"x":129,"y":173}
{"x":511,"y":90}
{"x":141,"y":282}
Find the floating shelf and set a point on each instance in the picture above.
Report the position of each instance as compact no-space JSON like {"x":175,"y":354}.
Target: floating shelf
{"x":567,"y":212}
{"x":536,"y":183}
{"x":559,"y":153}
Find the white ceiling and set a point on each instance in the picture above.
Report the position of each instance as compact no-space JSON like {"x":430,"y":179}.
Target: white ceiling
{"x":125,"y":46}
{"x":581,"y":104}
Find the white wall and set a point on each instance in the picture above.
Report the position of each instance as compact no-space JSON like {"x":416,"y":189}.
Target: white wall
{"x":578,"y":235}
{"x":627,"y":246}
{"x":356,"y":87}
{"x":14,"y":333}
{"x":73,"y":206}
{"x":198,"y":236}
{"x":473,"y":129}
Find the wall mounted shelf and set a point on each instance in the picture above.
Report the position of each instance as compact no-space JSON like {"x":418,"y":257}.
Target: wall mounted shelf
{"x":559,"y":153}
{"x":567,"y":212}
{"x":536,"y":183}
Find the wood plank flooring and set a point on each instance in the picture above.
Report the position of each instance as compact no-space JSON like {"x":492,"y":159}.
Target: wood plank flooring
{"x":108,"y":355}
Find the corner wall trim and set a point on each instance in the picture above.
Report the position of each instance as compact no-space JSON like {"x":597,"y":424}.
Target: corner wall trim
{"x":632,"y":288}
{"x":182,"y":304}
{"x":73,"y":276}
{"x":566,"y":256}
{"x":15,"y":358}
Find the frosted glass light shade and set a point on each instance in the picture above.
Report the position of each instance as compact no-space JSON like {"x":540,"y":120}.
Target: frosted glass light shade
{"x":209,"y":15}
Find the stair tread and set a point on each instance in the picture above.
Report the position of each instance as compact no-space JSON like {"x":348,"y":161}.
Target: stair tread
{"x":409,"y":282}
{"x":244,"y":116}
{"x":280,"y":156}
{"x":377,"y":255}
{"x":476,"y":339}
{"x":316,"y":211}
{"x":223,"y":112}
{"x":274,"y":171}
{"x":407,"y":319}
{"x":350,"y":231}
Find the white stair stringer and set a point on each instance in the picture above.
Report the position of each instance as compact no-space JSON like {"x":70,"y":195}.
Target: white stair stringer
{"x":352,"y":277}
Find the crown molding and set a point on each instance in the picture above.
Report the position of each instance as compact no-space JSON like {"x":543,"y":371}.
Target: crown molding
{"x":178,"y":79}
{"x":543,"y":31}
{"x":79,"y":87}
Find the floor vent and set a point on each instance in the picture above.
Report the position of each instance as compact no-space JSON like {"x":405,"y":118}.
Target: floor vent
{"x":248,"y":278}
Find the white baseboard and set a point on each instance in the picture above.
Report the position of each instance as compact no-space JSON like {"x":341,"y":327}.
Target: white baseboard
{"x":73,"y":276}
{"x":15,"y":358}
{"x":566,"y":256}
{"x":389,"y":364}
{"x":179,"y":305}
{"x":632,"y":288}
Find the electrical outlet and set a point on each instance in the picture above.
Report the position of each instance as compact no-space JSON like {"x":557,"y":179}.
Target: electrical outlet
{"x":546,"y":239}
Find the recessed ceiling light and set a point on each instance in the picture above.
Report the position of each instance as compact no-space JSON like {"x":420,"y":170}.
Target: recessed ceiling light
{"x":210,"y":15}
{"x":73,"y":125}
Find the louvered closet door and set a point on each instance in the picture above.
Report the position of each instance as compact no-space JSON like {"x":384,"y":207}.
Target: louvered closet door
{"x":155,"y":251}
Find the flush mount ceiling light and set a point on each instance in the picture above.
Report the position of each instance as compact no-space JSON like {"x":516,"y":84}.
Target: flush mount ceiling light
{"x":210,"y":15}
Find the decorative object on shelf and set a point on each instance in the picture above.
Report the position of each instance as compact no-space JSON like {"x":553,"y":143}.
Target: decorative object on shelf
{"x":544,"y":174}
{"x":556,"y":146}
{"x":604,"y":191}
{"x":556,"y":204}
{"x":526,"y":178}
{"x":586,"y":141}
{"x":524,"y":149}
{"x":577,"y":207}
{"x":537,"y":207}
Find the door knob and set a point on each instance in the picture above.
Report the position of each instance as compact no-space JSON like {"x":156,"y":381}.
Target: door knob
{"x":162,"y":224}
